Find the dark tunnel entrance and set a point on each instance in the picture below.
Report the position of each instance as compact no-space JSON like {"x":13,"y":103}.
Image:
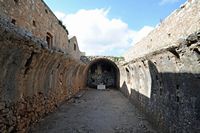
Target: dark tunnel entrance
{"x":103,"y":72}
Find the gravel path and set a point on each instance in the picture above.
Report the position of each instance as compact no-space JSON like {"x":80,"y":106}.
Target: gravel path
{"x":95,"y":112}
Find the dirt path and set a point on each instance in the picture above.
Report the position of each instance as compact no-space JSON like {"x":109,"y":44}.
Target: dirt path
{"x":95,"y":112}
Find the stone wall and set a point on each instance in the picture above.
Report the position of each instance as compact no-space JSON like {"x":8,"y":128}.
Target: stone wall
{"x":38,"y":19}
{"x":73,"y":48}
{"x":34,"y":79}
{"x":163,"y":73}
{"x":165,"y":86}
{"x":181,"y":23}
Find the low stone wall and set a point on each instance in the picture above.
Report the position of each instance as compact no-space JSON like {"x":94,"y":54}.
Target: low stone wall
{"x":34,"y":80}
{"x":165,"y":85}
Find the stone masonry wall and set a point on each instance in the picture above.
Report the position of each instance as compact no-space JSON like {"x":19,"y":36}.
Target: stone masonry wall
{"x":34,"y":80}
{"x":73,"y":47}
{"x":181,"y":23}
{"x":37,"y":18}
{"x":165,"y":85}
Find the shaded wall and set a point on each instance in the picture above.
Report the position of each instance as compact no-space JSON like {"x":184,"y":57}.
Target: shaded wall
{"x":34,"y":80}
{"x":165,"y":85}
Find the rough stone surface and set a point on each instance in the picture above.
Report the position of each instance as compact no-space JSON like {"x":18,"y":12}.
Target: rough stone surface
{"x":161,"y":78}
{"x":165,"y":86}
{"x":73,"y":48}
{"x":34,"y":79}
{"x":95,"y":112}
{"x":35,"y":17}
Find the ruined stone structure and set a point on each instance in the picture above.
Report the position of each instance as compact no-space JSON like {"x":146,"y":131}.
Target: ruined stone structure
{"x":41,"y":68}
{"x":34,"y":79}
{"x":36,"y":18}
{"x":38,"y":68}
{"x":165,"y":86}
{"x":162,"y":76}
{"x":73,"y":49}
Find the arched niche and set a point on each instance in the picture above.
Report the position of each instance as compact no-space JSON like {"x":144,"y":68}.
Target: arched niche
{"x":102,"y":71}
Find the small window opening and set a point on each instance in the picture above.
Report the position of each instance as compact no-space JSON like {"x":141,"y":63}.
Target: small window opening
{"x":34,"y":23}
{"x":13,"y":21}
{"x":16,"y":1}
{"x":49,"y":39}
{"x":46,"y":11}
{"x":74,"y":47}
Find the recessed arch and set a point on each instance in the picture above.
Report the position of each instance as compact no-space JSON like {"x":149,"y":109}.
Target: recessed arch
{"x":102,"y":71}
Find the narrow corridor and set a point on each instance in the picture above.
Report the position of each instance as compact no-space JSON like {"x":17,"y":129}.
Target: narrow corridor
{"x":95,"y":112}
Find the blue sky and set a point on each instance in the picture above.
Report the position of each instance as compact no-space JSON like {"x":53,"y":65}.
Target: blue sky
{"x":110,"y":27}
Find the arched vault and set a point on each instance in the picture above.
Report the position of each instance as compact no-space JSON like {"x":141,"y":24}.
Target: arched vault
{"x":102,"y":71}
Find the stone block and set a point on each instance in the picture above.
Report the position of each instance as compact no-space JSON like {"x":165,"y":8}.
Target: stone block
{"x":2,"y":105}
{"x":101,"y":87}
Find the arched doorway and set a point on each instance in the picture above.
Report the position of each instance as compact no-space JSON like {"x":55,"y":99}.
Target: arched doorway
{"x":102,"y":72}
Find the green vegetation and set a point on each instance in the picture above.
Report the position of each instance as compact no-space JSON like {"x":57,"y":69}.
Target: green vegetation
{"x":118,"y":59}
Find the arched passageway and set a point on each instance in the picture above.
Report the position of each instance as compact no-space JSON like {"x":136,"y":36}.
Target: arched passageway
{"x":103,"y":72}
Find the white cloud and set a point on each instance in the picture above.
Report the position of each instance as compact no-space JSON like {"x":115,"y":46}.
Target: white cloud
{"x":60,"y":15}
{"x":99,"y":35}
{"x":142,"y":33}
{"x":163,"y":2}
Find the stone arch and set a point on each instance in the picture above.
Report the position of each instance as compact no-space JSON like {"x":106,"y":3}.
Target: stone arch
{"x":102,"y":71}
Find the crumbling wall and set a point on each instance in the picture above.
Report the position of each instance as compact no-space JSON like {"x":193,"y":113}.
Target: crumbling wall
{"x":36,"y":17}
{"x":181,"y":23}
{"x":165,"y":85}
{"x":34,"y":80}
